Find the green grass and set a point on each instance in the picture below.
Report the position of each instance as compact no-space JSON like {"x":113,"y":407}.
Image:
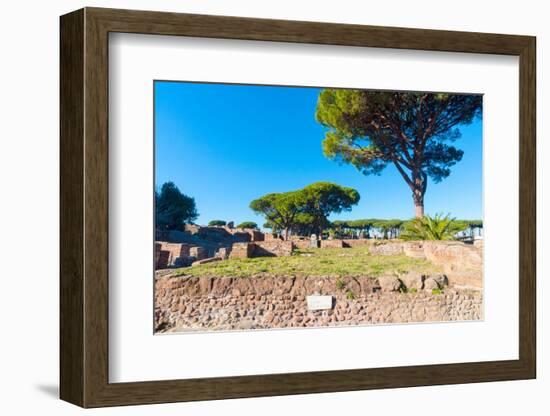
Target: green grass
{"x":315,"y":262}
{"x":350,"y":295}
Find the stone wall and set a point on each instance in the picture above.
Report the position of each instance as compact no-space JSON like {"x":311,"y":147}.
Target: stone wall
{"x":161,"y":257}
{"x":241,"y":250}
{"x":255,"y":235}
{"x":301,"y":244}
{"x":362,"y":242}
{"x":271,"y":248}
{"x":271,"y":236}
{"x":462,"y":262}
{"x":332,"y":244}
{"x":170,"y":254}
{"x":198,"y":252}
{"x":223,"y":303}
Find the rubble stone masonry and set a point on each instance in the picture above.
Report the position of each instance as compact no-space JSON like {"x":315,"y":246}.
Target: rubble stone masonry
{"x":184,"y":303}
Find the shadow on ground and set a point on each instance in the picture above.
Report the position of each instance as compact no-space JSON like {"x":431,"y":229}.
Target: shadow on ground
{"x":51,"y":390}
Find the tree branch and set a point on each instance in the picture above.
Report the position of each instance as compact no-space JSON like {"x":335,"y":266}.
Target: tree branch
{"x":404,"y":174}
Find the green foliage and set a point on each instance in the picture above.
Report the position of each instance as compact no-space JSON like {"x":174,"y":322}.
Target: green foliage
{"x":388,"y":228}
{"x":412,"y":131}
{"x":305,"y":210}
{"x":340,"y":284}
{"x":217,"y":223}
{"x":325,"y":198}
{"x":305,"y":224}
{"x":360,"y":228}
{"x":362,"y":224}
{"x":248,"y":224}
{"x":437,"y":291}
{"x":172,"y":208}
{"x":280,"y":209}
{"x":271,"y":226}
{"x":438,"y":227}
{"x":350,"y":295}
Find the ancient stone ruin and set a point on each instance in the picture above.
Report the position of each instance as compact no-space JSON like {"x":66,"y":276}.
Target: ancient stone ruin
{"x":188,"y":303}
{"x":199,"y":245}
{"x":461,"y":262}
{"x":260,"y":302}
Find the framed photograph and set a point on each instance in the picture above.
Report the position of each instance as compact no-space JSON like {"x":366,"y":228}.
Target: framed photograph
{"x":254,"y":207}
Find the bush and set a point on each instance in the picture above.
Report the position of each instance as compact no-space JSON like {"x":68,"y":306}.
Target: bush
{"x":438,"y":227}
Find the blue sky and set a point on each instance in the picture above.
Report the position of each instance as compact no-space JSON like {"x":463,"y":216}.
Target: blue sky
{"x":226,"y":145}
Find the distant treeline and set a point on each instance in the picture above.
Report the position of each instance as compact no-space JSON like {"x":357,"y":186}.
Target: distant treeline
{"x":305,"y":212}
{"x":392,"y":228}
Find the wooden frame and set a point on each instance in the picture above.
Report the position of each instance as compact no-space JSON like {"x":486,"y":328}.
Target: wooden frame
{"x":84,"y":207}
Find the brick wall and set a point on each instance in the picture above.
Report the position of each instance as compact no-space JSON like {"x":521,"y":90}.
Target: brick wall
{"x":271,"y":236}
{"x":273,"y":248}
{"x":361,"y":242}
{"x":241,"y":250}
{"x":332,"y":243}
{"x":301,"y":244}
{"x":175,"y":254}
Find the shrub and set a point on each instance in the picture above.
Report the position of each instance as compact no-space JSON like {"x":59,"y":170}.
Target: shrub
{"x":438,"y":227}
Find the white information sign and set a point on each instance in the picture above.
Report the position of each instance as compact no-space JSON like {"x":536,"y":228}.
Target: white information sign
{"x":318,"y":302}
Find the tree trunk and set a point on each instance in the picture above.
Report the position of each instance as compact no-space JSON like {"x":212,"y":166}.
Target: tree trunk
{"x":418,"y":209}
{"x":285,"y":234}
{"x":419,"y":189}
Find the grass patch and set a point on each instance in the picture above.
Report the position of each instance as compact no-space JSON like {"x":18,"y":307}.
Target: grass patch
{"x":315,"y":262}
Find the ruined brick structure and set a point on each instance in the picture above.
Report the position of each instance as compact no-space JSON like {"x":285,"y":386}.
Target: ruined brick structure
{"x":332,"y":244}
{"x":177,"y":254}
{"x":262,"y":249}
{"x":170,"y":254}
{"x":461,"y":262}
